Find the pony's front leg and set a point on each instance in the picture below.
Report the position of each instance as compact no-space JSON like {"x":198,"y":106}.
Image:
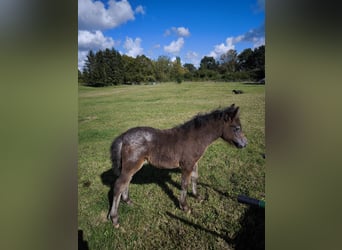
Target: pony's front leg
{"x":185,"y":182}
{"x":194,"y":178}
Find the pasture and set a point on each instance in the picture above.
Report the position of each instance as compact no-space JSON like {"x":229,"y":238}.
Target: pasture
{"x":155,"y":221}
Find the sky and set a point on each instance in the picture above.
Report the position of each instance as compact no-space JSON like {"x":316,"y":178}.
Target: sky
{"x":189,"y":29}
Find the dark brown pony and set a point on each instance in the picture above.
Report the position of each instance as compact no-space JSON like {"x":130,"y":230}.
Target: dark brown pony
{"x":237,"y":91}
{"x":178,"y":147}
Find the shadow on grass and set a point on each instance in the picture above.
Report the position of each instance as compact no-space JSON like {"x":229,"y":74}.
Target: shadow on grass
{"x":82,"y":244}
{"x":199,"y":227}
{"x":252,"y":233}
{"x":146,"y":175}
{"x":215,"y":189}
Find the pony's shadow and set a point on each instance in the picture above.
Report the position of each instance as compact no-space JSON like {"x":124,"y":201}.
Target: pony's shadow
{"x":146,"y":175}
{"x":250,"y":236}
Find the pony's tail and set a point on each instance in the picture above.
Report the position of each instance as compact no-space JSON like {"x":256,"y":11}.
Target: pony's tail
{"x":115,"y":151}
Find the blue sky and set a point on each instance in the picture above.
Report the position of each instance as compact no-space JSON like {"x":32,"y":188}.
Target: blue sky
{"x":190,"y":29}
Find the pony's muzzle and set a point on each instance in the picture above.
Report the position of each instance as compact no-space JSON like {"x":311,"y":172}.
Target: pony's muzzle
{"x":241,"y":143}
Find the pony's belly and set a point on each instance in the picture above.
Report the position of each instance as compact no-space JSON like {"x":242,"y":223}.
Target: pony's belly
{"x":164,"y":162}
{"x":165,"y":166}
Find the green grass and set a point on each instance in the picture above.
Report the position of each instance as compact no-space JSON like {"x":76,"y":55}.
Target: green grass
{"x":155,"y":221}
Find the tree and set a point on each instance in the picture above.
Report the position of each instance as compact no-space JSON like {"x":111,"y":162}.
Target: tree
{"x":128,"y":69}
{"x":259,"y":56}
{"x":190,"y":67}
{"x":228,"y":61}
{"x":253,"y":62}
{"x":114,"y":67}
{"x":80,"y":77}
{"x":89,"y":68}
{"x":109,"y":67}
{"x":190,"y":71}
{"x":245,"y":60}
{"x":103,"y":68}
{"x":99,"y":72}
{"x":177,"y":72}
{"x":208,"y":62}
{"x":208,"y":69}
{"x":163,"y":68}
{"x":144,"y":69}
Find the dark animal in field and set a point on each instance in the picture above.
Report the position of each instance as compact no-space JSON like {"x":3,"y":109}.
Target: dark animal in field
{"x":178,"y":147}
{"x":237,"y":91}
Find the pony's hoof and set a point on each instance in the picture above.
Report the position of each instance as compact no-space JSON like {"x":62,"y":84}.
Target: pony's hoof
{"x":199,"y":198}
{"x":114,"y":220}
{"x":186,"y":209}
{"x":129,"y":202}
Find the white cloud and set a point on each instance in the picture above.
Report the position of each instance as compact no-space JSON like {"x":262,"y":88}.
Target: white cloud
{"x":175,"y":46}
{"x":93,"y":15}
{"x":254,"y":36}
{"x":193,"y":58}
{"x":222,"y":48}
{"x":258,"y":42}
{"x":140,"y":10}
{"x":180,"y":31}
{"x":133,"y":47}
{"x":88,"y":40}
{"x":82,"y":55}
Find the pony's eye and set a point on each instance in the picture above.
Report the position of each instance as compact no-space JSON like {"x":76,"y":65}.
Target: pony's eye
{"x":237,"y":129}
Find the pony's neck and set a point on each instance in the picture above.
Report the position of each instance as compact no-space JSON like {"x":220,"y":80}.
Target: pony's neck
{"x":207,"y":133}
{"x":211,"y":131}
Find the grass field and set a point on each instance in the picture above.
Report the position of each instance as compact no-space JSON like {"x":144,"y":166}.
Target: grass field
{"x":155,"y":221}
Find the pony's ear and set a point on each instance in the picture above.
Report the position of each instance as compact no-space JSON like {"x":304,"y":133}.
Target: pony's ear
{"x":225,"y":116}
{"x":228,"y":116}
{"x":236,"y":112}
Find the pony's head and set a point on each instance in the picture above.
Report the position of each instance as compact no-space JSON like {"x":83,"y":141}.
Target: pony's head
{"x":232,"y":129}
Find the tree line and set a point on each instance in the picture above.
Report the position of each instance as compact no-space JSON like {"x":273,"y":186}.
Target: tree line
{"x":109,"y":67}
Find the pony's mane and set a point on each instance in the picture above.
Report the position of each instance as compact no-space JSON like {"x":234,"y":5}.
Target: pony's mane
{"x":202,"y":119}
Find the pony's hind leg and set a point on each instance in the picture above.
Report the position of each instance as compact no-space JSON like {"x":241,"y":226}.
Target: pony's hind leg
{"x":125,"y":193}
{"x":125,"y":196}
{"x":120,"y":186}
